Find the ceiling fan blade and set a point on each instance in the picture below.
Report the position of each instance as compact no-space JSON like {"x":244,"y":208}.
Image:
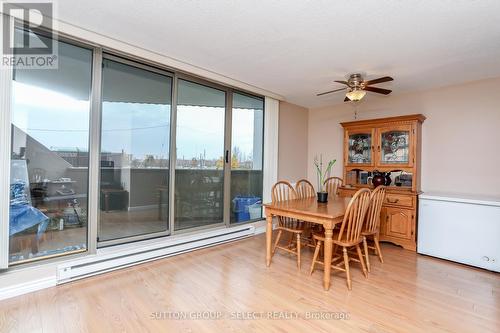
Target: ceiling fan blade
{"x":378,"y":90}
{"x":379,"y":80}
{"x":343,"y":82}
{"x":331,"y":91}
{"x":346,"y":99}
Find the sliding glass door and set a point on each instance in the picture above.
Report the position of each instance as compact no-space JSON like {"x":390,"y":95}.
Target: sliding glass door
{"x":200,"y":158}
{"x":135,"y":110}
{"x":247,"y":143}
{"x":49,"y":165}
{"x":134,"y":158}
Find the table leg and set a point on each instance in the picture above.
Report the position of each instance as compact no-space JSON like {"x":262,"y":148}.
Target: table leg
{"x":328,"y":257}
{"x":269,"y":235}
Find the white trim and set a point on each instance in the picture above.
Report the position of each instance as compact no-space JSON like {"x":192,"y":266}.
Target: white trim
{"x":27,"y":287}
{"x":271,"y":126}
{"x":5,"y":110}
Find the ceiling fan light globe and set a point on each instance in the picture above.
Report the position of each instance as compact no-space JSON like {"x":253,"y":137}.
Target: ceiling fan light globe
{"x":355,"y":95}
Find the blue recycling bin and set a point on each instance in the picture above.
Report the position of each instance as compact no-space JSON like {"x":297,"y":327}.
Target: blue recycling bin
{"x":241,"y":204}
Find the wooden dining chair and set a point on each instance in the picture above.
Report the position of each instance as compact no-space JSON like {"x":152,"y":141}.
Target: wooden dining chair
{"x":282,"y":191}
{"x":304,"y":189}
{"x":371,"y":227}
{"x":349,"y":236}
{"x":332,"y":185}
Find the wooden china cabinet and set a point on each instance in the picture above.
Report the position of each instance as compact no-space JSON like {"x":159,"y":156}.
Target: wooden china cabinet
{"x":387,"y":145}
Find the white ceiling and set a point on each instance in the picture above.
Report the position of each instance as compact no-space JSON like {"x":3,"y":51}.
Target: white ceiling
{"x":297,"y":48}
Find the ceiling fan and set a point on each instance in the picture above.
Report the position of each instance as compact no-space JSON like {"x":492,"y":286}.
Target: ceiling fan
{"x":357,"y":87}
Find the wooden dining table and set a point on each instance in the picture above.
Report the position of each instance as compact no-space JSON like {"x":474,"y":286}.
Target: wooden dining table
{"x":310,"y":210}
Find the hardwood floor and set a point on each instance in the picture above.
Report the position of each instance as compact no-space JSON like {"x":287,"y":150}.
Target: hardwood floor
{"x":408,"y":293}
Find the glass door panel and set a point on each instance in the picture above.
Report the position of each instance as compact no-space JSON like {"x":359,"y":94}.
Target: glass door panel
{"x":134,"y":163}
{"x":360,"y":147}
{"x":50,"y":157}
{"x":200,"y":158}
{"x":246,"y":158}
{"x":395,"y":146}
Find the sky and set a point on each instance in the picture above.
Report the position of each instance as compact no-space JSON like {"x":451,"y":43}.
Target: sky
{"x":60,"y":121}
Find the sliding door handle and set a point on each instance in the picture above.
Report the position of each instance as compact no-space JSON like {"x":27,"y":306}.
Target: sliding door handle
{"x":227,"y":156}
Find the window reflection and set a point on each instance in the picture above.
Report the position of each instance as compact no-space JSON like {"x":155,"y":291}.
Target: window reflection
{"x":199,"y":174}
{"x":246,"y":158}
{"x":49,"y":159}
{"x":135,"y":138}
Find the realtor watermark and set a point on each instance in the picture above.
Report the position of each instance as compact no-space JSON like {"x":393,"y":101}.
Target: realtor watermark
{"x":249,"y":315}
{"x":28,"y":40}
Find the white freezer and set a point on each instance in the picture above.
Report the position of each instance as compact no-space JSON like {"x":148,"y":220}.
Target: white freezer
{"x":460,"y":228}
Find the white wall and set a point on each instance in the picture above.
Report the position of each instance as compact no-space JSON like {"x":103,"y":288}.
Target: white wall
{"x":292,"y":151}
{"x":460,"y":139}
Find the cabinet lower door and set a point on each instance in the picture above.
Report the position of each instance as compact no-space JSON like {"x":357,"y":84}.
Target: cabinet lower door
{"x":397,"y":222}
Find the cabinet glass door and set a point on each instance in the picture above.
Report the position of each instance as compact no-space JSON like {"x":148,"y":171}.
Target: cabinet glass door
{"x":359,"y":150}
{"x":395,"y":147}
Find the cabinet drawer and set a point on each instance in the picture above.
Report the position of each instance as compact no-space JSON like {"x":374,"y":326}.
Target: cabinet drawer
{"x":344,"y":192}
{"x":399,"y":200}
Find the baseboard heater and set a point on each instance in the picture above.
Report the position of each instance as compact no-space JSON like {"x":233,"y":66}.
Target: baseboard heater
{"x":112,"y":259}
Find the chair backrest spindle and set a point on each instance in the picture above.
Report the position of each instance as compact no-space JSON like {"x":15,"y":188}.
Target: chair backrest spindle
{"x":352,"y":225}
{"x":282,"y":191}
{"x":332,"y":185}
{"x":372,"y":223}
{"x":304,"y":189}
